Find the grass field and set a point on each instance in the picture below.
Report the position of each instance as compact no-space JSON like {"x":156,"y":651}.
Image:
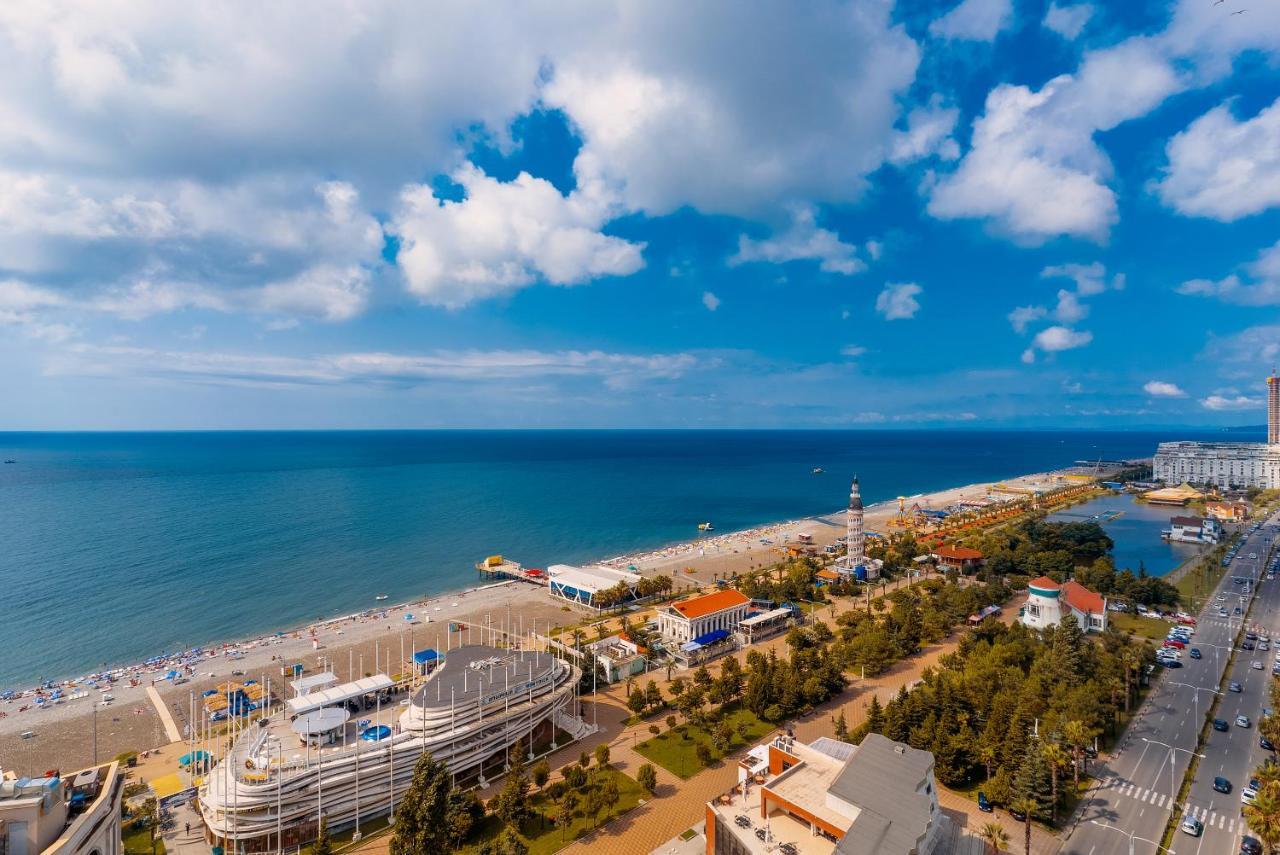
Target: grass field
{"x":138,"y":841}
{"x":1143,"y":627}
{"x":1197,"y":584}
{"x":676,"y":750}
{"x":542,"y":837}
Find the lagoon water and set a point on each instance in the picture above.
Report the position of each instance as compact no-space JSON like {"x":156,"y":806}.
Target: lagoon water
{"x":118,"y":546}
{"x":1135,"y":528}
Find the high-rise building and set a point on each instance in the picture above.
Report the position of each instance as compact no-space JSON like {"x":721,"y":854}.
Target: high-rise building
{"x":1273,"y":409}
{"x":1226,"y":465}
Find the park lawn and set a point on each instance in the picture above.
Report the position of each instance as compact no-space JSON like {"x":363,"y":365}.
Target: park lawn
{"x":542,"y":837}
{"x":1194,"y":586}
{"x":1140,"y":625}
{"x":342,"y":839}
{"x":137,"y":841}
{"x":676,"y":750}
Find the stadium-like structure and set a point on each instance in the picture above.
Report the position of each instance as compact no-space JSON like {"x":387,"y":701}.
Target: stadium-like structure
{"x":312,"y":758}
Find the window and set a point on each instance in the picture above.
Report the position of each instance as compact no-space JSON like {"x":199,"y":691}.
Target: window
{"x":1033,"y":610}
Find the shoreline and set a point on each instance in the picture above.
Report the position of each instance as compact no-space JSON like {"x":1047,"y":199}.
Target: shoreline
{"x":64,"y":732}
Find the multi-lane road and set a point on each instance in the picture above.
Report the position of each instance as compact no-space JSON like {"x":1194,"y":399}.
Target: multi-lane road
{"x":1129,"y":808}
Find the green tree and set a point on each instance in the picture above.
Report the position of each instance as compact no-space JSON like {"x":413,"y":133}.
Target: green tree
{"x":994,"y":835}
{"x":842,"y":727}
{"x":511,"y":805}
{"x":647,"y":777}
{"x":636,"y":701}
{"x":1077,"y":735}
{"x":602,"y":754}
{"x":506,"y":843}
{"x":1028,"y":808}
{"x":875,"y":716}
{"x":1057,"y":759}
{"x":541,"y":773}
{"x":418,"y":830}
{"x":1263,"y":815}
{"x":324,"y":843}
{"x":703,"y":753}
{"x":1032,"y":781}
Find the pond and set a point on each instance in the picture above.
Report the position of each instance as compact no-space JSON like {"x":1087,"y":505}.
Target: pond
{"x":1135,"y":527}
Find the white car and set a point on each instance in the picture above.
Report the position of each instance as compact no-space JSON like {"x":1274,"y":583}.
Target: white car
{"x":1242,"y":721}
{"x":1247,"y":795}
{"x":1256,"y":665}
{"x":1222,"y":597}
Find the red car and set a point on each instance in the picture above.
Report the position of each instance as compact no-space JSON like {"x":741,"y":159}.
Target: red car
{"x":1175,"y":643}
{"x":1187,"y":620}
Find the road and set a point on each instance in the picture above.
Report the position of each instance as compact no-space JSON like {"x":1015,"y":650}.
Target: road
{"x":1138,"y":784}
{"x":1236,"y":753}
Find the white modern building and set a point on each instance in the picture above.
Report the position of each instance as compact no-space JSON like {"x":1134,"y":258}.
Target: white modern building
{"x":1226,"y":465}
{"x":829,"y":798}
{"x":581,"y":585}
{"x":79,"y":815}
{"x":1194,"y":530}
{"x":275,"y":779}
{"x":1048,"y":602}
{"x":691,"y":619}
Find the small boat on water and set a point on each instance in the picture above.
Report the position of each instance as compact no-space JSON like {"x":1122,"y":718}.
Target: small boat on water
{"x":380,"y":597}
{"x":11,"y":461}
{"x":817,"y":470}
{"x":706,"y":526}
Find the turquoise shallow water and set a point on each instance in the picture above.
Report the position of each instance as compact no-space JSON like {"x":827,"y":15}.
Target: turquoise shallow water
{"x":115,"y":547}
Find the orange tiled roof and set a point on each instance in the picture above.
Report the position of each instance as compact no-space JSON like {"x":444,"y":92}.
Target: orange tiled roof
{"x":826,"y":573}
{"x":1044,"y":583}
{"x":1083,"y":599}
{"x":959,"y":553}
{"x":706,"y":604}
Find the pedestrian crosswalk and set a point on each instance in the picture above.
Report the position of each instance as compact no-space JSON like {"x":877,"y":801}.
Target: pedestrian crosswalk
{"x":1117,"y":786}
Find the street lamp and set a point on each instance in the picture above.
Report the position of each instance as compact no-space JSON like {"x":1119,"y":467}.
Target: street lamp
{"x":1216,"y":648}
{"x":1132,"y":837}
{"x":1173,"y":793}
{"x":1196,"y":696}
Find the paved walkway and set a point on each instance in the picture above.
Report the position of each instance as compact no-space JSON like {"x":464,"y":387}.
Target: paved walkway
{"x":170,"y":729}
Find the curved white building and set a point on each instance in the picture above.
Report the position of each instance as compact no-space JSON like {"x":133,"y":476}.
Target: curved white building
{"x":474,"y":707}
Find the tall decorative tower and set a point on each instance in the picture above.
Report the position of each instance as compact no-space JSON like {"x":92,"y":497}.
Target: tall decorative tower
{"x":1273,"y":408}
{"x":854,"y":536}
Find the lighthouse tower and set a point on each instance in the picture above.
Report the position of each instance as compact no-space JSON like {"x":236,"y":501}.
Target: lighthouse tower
{"x":855,"y":562}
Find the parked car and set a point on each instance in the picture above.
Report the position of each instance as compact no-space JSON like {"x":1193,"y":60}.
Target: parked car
{"x":1255,"y":665}
{"x":983,"y":804}
{"x":1247,"y":795}
{"x":1017,"y":815}
{"x":1250,"y":846}
{"x":1265,"y":744}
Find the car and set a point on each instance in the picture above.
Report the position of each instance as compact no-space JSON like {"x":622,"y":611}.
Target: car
{"x":1221,"y":597}
{"x":1192,"y":826}
{"x":1219,"y":724}
{"x":1233,"y":686}
{"x":1170,"y":662}
{"x":1250,"y":846}
{"x":1242,"y":721}
{"x":1195,"y":653}
{"x":1264,"y":645}
{"x":1222,"y":785}
{"x":1222,"y":612}
{"x":1247,"y":645}
{"x":1173,"y":642}
{"x":983,"y":804}
{"x":1236,"y":611}
{"x":1017,"y":815}
{"x":1255,"y":665}
{"x":1251,"y":636}
{"x":1247,"y":795}
{"x":1255,"y":784}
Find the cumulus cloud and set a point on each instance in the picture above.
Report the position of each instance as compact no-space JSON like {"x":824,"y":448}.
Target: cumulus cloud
{"x":711,"y":301}
{"x":1222,"y":168}
{"x":1090,"y":279}
{"x":1163,"y":389}
{"x":1054,"y":339}
{"x":1259,"y":285}
{"x":898,"y":300}
{"x":504,"y":236}
{"x":1023,"y":316}
{"x":928,"y":133}
{"x":1067,"y":21}
{"x":1231,"y":402}
{"x":1253,"y":346}
{"x":852,"y":351}
{"x":975,"y":20}
{"x":802,"y":241}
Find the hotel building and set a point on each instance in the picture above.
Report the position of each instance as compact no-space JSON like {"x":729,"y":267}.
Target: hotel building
{"x":79,"y":815}
{"x":1226,"y":465}
{"x":1048,"y":602}
{"x":829,"y":798}
{"x":282,"y":772}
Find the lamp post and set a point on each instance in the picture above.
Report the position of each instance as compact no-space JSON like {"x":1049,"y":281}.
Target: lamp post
{"x":1216,"y":648}
{"x":1196,"y":696}
{"x":1173,"y":792}
{"x":1132,"y":837}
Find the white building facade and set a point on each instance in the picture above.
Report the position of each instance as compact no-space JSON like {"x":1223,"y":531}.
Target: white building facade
{"x":1226,"y":465}
{"x":1048,"y":602}
{"x":693,"y":618}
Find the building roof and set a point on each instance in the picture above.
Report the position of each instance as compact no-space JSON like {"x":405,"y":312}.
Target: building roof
{"x":1187,"y":522}
{"x":339,"y":694}
{"x":589,"y":580}
{"x":958,"y":553}
{"x":1045,"y":583}
{"x":884,"y":778}
{"x":1081,"y":598}
{"x":707,"y":604}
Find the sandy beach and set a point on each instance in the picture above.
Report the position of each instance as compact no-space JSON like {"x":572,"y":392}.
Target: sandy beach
{"x":63,"y":733}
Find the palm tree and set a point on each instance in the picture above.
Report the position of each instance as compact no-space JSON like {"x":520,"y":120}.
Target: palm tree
{"x":1076,"y":735}
{"x":1027,"y":807}
{"x":993,"y":834}
{"x":1263,"y":815}
{"x":1057,"y":758}
{"x":988,"y":754}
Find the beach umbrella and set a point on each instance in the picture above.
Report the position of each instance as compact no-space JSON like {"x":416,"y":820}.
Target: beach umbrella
{"x":193,"y":757}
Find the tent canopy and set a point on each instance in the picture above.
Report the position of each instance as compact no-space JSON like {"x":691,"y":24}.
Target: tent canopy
{"x":712,"y":637}
{"x":422,"y":657}
{"x":339,"y":694}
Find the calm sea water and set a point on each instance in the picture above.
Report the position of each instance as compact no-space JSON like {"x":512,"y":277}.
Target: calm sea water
{"x":115,"y":547}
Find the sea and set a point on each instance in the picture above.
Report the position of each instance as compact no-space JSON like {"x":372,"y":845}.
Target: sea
{"x":119,"y":546}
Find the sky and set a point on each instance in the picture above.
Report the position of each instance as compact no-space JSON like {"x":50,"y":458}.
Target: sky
{"x":638,"y":214}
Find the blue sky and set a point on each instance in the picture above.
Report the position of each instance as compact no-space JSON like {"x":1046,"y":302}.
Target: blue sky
{"x":637,"y":214}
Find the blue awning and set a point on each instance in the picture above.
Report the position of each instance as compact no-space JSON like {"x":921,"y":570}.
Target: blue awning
{"x":712,"y":637}
{"x":422,"y":657}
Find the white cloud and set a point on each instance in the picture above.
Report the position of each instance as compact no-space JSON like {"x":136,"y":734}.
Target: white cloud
{"x":898,"y":300}
{"x":852,"y":351}
{"x":1222,"y":168}
{"x":1260,"y":285}
{"x":1247,"y":349}
{"x":1068,"y":21}
{"x":711,"y":301}
{"x":1054,"y":339}
{"x":802,"y":241}
{"x":1023,"y":316}
{"x":976,"y":20}
{"x":928,"y":133}
{"x":1069,"y":309}
{"x":1034,"y":170}
{"x":1163,"y":389}
{"x":1090,"y":279}
{"x":1237,"y":402}
{"x":503,"y":237}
